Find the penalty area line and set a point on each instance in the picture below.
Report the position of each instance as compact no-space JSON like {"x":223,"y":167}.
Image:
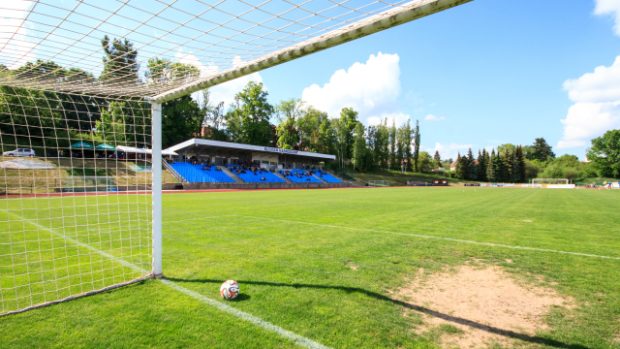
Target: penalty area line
{"x":265,"y":325}
{"x":443,"y":238}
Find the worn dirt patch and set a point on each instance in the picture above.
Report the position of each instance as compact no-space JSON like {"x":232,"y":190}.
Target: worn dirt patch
{"x":352,"y":266}
{"x":485,"y":304}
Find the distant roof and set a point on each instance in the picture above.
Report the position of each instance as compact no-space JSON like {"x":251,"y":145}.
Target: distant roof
{"x":249,"y":147}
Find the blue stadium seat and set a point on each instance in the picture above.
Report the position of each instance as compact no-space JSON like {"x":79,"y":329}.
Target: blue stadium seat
{"x":261,"y":176}
{"x":327,"y":177}
{"x":298,"y":175}
{"x":201,"y":174}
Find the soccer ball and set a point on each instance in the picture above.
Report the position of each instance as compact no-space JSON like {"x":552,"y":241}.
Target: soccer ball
{"x":229,"y":289}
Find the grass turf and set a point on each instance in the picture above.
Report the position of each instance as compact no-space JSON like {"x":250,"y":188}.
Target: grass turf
{"x":292,"y":253}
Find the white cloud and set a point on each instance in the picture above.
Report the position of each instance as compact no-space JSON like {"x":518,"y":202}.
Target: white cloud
{"x":596,"y":105}
{"x":450,"y":151}
{"x":609,"y":7}
{"x":224,"y":92}
{"x":433,"y":118}
{"x":371,"y":88}
{"x":14,"y":33}
{"x":595,"y":95}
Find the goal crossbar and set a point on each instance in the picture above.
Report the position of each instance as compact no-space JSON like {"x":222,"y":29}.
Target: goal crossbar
{"x":388,"y":19}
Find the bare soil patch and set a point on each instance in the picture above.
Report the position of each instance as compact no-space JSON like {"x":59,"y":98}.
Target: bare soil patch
{"x":485,"y":304}
{"x":352,"y":266}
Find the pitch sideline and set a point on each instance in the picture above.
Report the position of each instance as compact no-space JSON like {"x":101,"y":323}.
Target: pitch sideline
{"x":442,"y":238}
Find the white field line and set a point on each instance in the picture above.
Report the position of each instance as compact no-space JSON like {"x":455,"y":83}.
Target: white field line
{"x":441,"y":238}
{"x":299,"y":340}
{"x":77,"y":242}
{"x":266,"y":325}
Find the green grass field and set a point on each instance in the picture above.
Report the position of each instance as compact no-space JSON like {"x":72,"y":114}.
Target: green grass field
{"x":291,"y":251}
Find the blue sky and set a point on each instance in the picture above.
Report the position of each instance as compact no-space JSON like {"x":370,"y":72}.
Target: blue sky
{"x":485,"y":73}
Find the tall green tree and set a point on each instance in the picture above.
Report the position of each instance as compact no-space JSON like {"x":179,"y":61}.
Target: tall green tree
{"x":462,"y":168}
{"x":492,"y":167}
{"x":605,"y":154}
{"x":249,"y":119}
{"x":213,"y":118}
{"x":181,"y":118}
{"x":425,"y":162}
{"x":519,"y":166}
{"x":437,"y":160}
{"x":417,"y":142}
{"x":381,"y":142}
{"x":392,"y":153}
{"x":540,"y":150}
{"x":359,"y":148}
{"x":482,"y":160}
{"x":120,"y":63}
{"x":161,"y":70}
{"x":472,"y":167}
{"x":112,"y":126}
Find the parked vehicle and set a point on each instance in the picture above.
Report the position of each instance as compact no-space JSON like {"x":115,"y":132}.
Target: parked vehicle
{"x":20,"y":152}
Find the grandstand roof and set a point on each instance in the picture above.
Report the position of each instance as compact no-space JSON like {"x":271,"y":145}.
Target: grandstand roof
{"x":249,"y":147}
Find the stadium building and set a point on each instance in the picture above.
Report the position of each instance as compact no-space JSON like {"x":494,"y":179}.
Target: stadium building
{"x":204,"y":163}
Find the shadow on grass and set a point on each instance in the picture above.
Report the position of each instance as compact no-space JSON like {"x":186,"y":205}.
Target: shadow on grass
{"x":415,"y":307}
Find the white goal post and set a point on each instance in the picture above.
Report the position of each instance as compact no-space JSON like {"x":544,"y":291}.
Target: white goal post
{"x":80,"y":211}
{"x":541,"y":181}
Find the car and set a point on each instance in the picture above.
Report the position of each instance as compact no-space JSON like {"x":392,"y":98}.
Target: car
{"x":20,"y":152}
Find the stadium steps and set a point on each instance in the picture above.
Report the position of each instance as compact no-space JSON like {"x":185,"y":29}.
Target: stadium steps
{"x":319,"y":178}
{"x":286,"y":180}
{"x":231,"y":175}
{"x":174,"y":173}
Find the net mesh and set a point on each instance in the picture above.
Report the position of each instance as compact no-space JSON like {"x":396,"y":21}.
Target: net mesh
{"x":76,"y":82}
{"x":212,"y":36}
{"x":75,"y":213}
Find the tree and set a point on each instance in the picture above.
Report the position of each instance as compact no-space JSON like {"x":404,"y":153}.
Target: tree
{"x":425,"y":162}
{"x":286,"y":131}
{"x":213,"y":118}
{"x":248,"y":120}
{"x":483,"y":158}
{"x":392,"y":153}
{"x":24,"y":122}
{"x":381,"y":151}
{"x":120,"y":61}
{"x":417,"y":140}
{"x":540,"y":150}
{"x":492,"y":167}
{"x":359,"y":148}
{"x":112,"y":125}
{"x":519,"y":173}
{"x":308,"y":127}
{"x":181,"y":117}
{"x":437,"y":159}
{"x":461,"y":166}
{"x":161,"y":70}
{"x":472,"y":168}
{"x":344,"y":127}
{"x":605,"y":154}
{"x":565,"y":166}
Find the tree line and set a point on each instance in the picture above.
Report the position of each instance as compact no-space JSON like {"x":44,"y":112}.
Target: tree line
{"x":520,"y":163}
{"x":51,"y":120}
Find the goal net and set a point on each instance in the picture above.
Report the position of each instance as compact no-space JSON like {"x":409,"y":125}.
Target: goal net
{"x":80,"y":136}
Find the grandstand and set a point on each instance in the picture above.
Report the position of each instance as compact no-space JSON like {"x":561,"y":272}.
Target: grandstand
{"x":205,"y":163}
